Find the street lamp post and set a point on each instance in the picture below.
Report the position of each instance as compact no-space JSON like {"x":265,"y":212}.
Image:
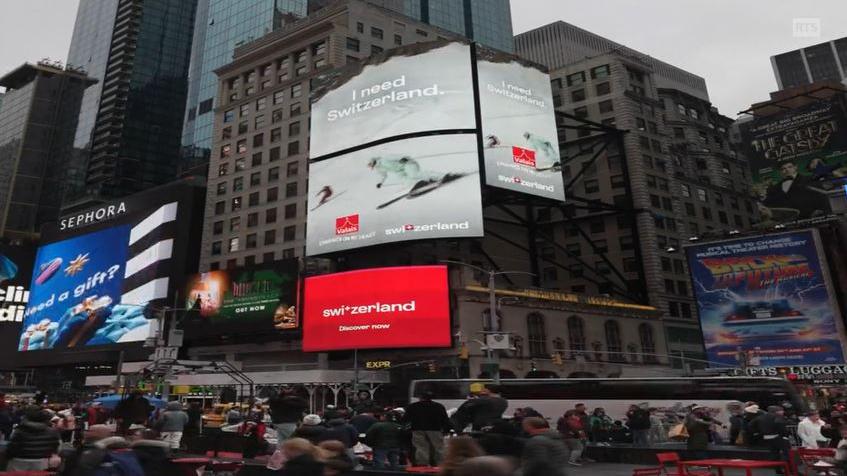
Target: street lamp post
{"x":493,"y":357}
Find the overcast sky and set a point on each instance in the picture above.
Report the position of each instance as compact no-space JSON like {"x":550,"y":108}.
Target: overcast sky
{"x":728,"y":42}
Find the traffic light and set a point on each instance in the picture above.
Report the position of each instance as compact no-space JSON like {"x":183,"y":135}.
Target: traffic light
{"x":464,"y":354}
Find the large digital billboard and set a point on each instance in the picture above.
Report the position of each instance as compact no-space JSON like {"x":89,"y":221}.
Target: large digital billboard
{"x":797,"y":157}
{"x":101,"y":272}
{"x":411,"y":89}
{"x":521,"y":144}
{"x":769,"y":298}
{"x":377,"y":308}
{"x":416,"y":188}
{"x":250,"y":299}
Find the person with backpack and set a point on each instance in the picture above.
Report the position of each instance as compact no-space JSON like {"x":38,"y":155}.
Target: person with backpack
{"x":638,"y":421}
{"x":32,"y":442}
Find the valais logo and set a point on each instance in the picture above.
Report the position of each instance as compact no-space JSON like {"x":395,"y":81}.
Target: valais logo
{"x":523,"y":156}
{"x":347,"y":225}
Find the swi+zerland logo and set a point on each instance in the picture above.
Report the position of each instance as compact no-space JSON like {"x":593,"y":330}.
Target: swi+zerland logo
{"x":375,"y":308}
{"x":347,"y":225}
{"x":523,"y":156}
{"x":526,"y":183}
{"x":464,"y":225}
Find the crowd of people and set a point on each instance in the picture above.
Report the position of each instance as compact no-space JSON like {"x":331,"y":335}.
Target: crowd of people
{"x":474,"y":439}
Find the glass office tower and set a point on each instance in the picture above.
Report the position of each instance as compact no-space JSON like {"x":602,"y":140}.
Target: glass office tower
{"x":220,"y":26}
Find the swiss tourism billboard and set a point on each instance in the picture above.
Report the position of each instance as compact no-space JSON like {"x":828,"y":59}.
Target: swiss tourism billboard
{"x":767,"y":298}
{"x":797,"y":157}
{"x":248,"y":299}
{"x":410,"y":189}
{"x":417,"y":88}
{"x":400,"y":307}
{"x":521,"y":143}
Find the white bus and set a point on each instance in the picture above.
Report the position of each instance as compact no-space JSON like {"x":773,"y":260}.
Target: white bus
{"x":669,"y":396}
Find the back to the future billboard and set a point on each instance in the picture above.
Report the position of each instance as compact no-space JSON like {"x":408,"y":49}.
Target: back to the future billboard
{"x":768,"y":300}
{"x":395,"y":145}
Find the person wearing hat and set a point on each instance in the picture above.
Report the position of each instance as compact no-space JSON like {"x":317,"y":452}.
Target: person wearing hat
{"x":772,"y":427}
{"x":311,"y":429}
{"x":748,"y":437}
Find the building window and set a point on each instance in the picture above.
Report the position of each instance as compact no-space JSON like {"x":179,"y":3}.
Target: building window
{"x":257,"y":159}
{"x":576,"y":335}
{"x":291,"y":211}
{"x":276,"y":135}
{"x":242,"y":127}
{"x":278,"y":97}
{"x":295,"y":110}
{"x":253,"y":199}
{"x":251,"y":241}
{"x":603,"y":89}
{"x":576,"y":78}
{"x":273,"y":194}
{"x":600,"y":72}
{"x":296,"y":90}
{"x":216,"y":248}
{"x":238,"y":184}
{"x":398,"y":40}
{"x":261,"y":103}
{"x":229,"y":116}
{"x":606,"y":106}
{"x":258,"y":140}
{"x":290,"y":189}
{"x":294,"y":129}
{"x":294,"y":148}
{"x":255,"y":179}
{"x":244,"y":110}
{"x":614,"y":349}
{"x":270,"y":215}
{"x":270,"y":237}
{"x":319,"y":48}
{"x":376,"y":32}
{"x":702,"y":195}
{"x":226,"y":151}
{"x":592,"y":186}
{"x":240,"y":164}
{"x":536,"y":335}
{"x":273,"y":174}
{"x":252,"y":220}
{"x":352,"y":44}
{"x":233,"y":244}
{"x":578,"y":95}
{"x":360,"y":27}
{"x":221,"y":188}
{"x":289,"y":233}
{"x":235,"y":204}
{"x":274,"y":154}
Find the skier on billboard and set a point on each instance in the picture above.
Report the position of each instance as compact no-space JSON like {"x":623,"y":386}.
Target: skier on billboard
{"x":406,"y":170}
{"x":544,"y":149}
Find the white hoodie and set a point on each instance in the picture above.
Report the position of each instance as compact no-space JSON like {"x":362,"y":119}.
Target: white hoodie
{"x":810,"y":432}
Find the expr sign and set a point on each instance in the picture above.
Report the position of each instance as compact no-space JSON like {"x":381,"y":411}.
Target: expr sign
{"x":92,"y":216}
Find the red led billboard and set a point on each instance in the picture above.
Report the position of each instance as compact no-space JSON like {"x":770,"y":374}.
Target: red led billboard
{"x":377,"y":308}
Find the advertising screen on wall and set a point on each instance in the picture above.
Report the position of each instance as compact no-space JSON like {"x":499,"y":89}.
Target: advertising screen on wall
{"x":521,"y":144}
{"x":797,"y":157}
{"x":417,"y":188}
{"x":769,"y":297}
{"x":100,"y":269}
{"x":377,"y":308}
{"x":260,"y":298}
{"x":411,"y":89}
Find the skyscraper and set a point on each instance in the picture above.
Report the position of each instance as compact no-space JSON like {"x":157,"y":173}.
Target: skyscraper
{"x":130,"y":128}
{"x":821,"y":62}
{"x":674,"y":171}
{"x":219,"y":27}
{"x":558,"y":44}
{"x":37,"y":125}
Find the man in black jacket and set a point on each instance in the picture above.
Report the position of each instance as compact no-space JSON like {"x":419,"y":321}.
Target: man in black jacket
{"x":32,"y":442}
{"x":134,"y":410}
{"x":482,"y":411}
{"x":286,"y":410}
{"x":772,"y":428}
{"x":428,"y":421}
